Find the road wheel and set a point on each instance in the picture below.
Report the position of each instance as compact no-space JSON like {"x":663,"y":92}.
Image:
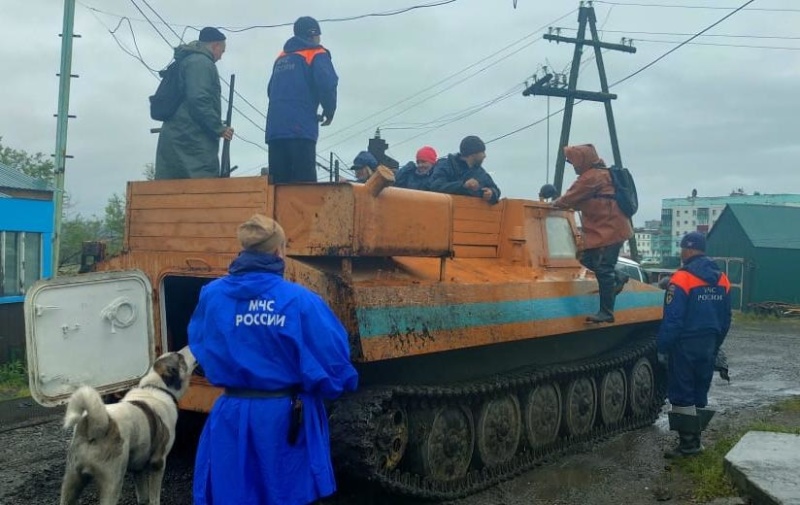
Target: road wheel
{"x":542,"y":415}
{"x":613,"y":396}
{"x":580,"y":406}
{"x":642,"y":386}
{"x":444,"y":440}
{"x":497,"y":430}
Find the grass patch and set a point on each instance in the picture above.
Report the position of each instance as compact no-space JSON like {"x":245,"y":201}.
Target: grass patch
{"x":707,"y":470}
{"x":791,"y":405}
{"x":13,"y":380}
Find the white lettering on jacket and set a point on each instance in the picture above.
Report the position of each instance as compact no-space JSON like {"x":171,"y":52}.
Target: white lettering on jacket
{"x":259,"y":314}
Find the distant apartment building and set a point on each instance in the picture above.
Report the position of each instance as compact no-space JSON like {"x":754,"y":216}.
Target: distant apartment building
{"x":679,"y":216}
{"x":647,"y":243}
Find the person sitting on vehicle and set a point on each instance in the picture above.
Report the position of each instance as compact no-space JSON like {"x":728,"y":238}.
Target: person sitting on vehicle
{"x":417,"y":175}
{"x":363,"y":167}
{"x":462,"y":173}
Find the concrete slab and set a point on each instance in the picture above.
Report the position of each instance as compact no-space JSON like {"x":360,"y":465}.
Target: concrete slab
{"x":766,"y":466}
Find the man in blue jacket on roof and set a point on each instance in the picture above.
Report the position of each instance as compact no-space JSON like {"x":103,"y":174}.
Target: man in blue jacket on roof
{"x":303,"y":79}
{"x":279,"y":352}
{"x":462,"y":173}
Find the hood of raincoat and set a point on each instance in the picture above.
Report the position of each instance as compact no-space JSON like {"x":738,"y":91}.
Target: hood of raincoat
{"x":583,"y":157}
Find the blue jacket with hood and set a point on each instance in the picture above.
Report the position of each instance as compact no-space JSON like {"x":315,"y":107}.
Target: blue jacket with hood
{"x":254,"y":330}
{"x":697,"y":304}
{"x":449,"y":174}
{"x":302,"y":79}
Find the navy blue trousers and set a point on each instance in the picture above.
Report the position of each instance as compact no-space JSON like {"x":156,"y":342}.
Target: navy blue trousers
{"x":691,"y":367}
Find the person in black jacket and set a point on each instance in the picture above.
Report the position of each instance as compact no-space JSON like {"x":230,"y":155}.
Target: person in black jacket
{"x":462,"y":173}
{"x":417,"y":175}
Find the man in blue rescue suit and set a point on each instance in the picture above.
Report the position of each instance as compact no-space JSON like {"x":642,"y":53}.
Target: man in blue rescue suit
{"x":697,"y":317}
{"x":303,"y":79}
{"x":279,"y":352}
{"x":462,"y":173}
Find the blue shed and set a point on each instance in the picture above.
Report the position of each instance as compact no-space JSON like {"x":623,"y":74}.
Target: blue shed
{"x":26,"y":233}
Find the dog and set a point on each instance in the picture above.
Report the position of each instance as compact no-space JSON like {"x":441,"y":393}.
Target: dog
{"x":134,"y":435}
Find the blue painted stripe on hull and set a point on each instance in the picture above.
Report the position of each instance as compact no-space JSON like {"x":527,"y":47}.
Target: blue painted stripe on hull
{"x":378,"y":321}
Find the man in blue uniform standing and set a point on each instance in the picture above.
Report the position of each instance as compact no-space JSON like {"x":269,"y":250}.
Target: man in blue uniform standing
{"x":279,"y":352}
{"x":303,"y":79}
{"x":462,"y":173}
{"x":697,"y":317}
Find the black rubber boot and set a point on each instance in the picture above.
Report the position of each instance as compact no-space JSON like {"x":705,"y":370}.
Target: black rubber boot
{"x":606,"y":312}
{"x":687,"y":446}
{"x":689,"y":429}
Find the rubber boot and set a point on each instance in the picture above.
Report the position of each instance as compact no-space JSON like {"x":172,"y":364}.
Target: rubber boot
{"x":606,"y":312}
{"x":688,"y":428}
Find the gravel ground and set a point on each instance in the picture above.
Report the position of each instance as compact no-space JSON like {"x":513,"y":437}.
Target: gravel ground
{"x":626,"y":469}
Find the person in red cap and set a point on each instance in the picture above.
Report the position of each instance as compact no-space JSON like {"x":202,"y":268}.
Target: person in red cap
{"x":417,"y":175}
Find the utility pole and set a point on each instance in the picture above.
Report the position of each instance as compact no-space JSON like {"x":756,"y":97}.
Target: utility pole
{"x":547,"y":87}
{"x":64,"y":79}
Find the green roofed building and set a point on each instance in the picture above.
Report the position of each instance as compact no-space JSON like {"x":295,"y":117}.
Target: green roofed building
{"x":759,"y":246}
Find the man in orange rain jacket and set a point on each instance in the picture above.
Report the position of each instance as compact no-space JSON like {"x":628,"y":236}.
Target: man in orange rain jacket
{"x":605,"y":227}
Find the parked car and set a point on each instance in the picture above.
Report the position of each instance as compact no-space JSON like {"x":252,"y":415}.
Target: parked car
{"x":632,"y":269}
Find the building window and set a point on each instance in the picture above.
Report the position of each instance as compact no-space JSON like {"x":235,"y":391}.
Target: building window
{"x":678,"y":213}
{"x":694,"y":223}
{"x":713,"y":212}
{"x":20,"y":262}
{"x":686,"y":222}
{"x":694,"y":212}
{"x":702,"y":216}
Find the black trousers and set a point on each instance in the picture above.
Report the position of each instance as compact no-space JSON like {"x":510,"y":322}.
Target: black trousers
{"x":292,"y":160}
{"x":601,"y":261}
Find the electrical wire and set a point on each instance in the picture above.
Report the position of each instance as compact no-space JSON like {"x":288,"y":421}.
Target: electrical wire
{"x":281,"y":25}
{"x":720,"y":35}
{"x":449,"y":77}
{"x":348,"y":18}
{"x":629,"y":76}
{"x":707,"y":7}
{"x":720,"y":44}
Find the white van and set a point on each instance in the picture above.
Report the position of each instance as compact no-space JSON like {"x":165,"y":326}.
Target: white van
{"x":632,"y":269}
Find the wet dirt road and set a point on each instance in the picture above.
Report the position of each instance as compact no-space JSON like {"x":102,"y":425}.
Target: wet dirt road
{"x":628,"y":468}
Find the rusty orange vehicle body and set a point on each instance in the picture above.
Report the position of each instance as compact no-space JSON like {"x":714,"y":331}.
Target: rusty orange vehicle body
{"x":466,"y":320}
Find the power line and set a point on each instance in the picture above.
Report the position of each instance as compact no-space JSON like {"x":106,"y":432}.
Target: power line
{"x":707,"y":7}
{"x":289,"y":23}
{"x":720,"y":44}
{"x":151,"y":23}
{"x":704,"y":30}
{"x":348,"y":18}
{"x":640,"y":70}
{"x":442,"y":81}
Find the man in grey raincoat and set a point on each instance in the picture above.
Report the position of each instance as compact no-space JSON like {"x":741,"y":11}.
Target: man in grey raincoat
{"x":188,"y":145}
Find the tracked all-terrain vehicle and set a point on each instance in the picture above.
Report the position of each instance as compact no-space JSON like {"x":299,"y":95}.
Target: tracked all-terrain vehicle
{"x":466,"y":322}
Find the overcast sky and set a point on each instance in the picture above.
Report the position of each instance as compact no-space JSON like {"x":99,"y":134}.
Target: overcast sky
{"x":709,"y":116}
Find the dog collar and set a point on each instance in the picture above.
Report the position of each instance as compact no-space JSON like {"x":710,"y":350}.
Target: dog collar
{"x":170,"y":393}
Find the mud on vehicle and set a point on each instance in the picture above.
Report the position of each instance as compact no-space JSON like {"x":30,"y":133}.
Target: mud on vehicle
{"x":466,"y":322}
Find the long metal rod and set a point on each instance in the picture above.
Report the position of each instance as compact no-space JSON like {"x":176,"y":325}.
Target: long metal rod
{"x":64,"y":80}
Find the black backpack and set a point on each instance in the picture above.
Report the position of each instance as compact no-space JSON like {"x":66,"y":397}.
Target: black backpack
{"x":624,"y":190}
{"x":169,"y":94}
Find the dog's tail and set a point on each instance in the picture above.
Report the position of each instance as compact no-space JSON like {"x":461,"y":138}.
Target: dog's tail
{"x":87,"y":400}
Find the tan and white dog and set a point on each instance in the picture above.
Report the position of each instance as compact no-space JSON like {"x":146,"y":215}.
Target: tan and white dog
{"x":134,"y":435}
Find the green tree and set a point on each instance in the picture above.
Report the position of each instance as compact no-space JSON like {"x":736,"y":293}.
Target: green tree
{"x":36,"y":165}
{"x":114,"y":223}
